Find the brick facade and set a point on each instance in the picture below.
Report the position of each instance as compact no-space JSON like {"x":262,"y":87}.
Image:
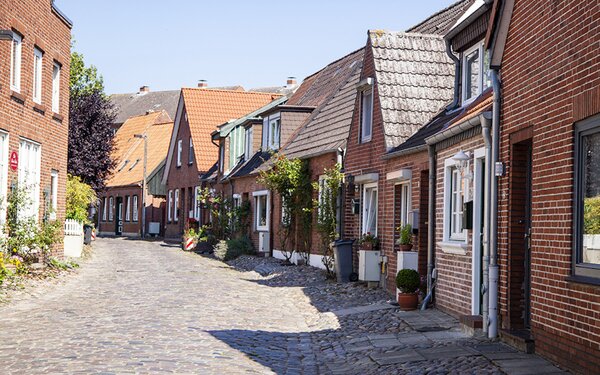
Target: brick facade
{"x":41,"y":26}
{"x":550,"y":81}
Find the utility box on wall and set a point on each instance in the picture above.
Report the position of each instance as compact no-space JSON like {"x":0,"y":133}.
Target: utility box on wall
{"x":263,"y":242}
{"x":368,"y":265}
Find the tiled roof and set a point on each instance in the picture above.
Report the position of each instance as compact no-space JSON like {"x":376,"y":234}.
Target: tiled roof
{"x":137,"y":104}
{"x":225,"y":128}
{"x":211,"y":174}
{"x":327,"y":129}
{"x":253,"y":165}
{"x":129,"y":151}
{"x":318,"y":88}
{"x":283,"y":90}
{"x":414,"y":77}
{"x":440,"y":22}
{"x":207,"y":109}
{"x":481,"y":104}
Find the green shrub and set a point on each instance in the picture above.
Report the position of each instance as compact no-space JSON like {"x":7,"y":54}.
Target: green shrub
{"x":231,"y":249}
{"x":408,"y":281}
{"x":80,"y":196}
{"x":591,"y":215}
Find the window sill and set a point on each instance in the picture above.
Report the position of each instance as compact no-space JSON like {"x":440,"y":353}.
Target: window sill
{"x":57,"y":117}
{"x":454,"y":247}
{"x":39,"y":108}
{"x":14,"y":95}
{"x":583,"y":280}
{"x":262,"y":229}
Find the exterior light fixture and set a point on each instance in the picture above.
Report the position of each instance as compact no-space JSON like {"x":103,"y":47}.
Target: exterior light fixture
{"x":462,"y":162}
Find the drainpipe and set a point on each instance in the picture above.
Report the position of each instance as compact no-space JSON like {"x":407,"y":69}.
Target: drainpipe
{"x":457,"y":77}
{"x":430,"y":227}
{"x":494,"y":272}
{"x":487,"y":138}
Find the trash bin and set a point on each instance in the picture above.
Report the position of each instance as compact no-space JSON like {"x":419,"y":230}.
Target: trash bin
{"x":87,"y":234}
{"x":342,"y":250}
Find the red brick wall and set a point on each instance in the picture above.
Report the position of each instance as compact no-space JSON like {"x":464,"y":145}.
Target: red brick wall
{"x":551,"y":80}
{"x":39,"y":26}
{"x":245,"y":186}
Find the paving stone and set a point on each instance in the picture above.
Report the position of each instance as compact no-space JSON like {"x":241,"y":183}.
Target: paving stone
{"x":447,"y":352}
{"x":401,"y":356}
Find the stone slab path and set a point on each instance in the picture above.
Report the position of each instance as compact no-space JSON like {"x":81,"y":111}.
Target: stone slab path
{"x":147,"y":307}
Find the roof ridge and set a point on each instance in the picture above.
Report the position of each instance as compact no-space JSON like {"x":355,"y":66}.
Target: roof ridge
{"x":229,"y":91}
{"x":333,"y":62}
{"x":436,"y":14}
{"x":403,"y":33}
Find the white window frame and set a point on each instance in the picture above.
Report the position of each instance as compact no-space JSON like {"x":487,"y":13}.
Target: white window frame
{"x":176,"y":206}
{"x":53,"y":194}
{"x":274,"y":132}
{"x":56,"y":68}
{"x":4,"y":141}
{"x":170,"y":207}
{"x":38,"y":58}
{"x":405,"y":203}
{"x":179,"y":151}
{"x":366,"y":207}
{"x":15,"y":62}
{"x":104,"y":209}
{"x":191,"y":152}
{"x":452,"y":242}
{"x":128,"y":208}
{"x":483,"y":71}
{"x":111,"y":202}
{"x":197,"y":203}
{"x":135,"y":209}
{"x":248,"y":146}
{"x":257,"y":208}
{"x":366,"y":122}
{"x":29,"y":165}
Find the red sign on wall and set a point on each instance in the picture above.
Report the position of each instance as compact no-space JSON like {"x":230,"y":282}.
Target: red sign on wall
{"x":14,"y":160}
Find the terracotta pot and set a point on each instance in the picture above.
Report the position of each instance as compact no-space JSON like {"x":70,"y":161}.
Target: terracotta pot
{"x":408,"y":301}
{"x":406,"y":247}
{"x":366,"y":246}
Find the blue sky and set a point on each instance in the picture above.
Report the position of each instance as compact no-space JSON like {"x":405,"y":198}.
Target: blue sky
{"x":172,"y":44}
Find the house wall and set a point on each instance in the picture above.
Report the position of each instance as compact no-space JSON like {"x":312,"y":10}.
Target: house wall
{"x":41,"y":27}
{"x":550,"y":81}
{"x":245,"y":186}
{"x":183,"y":178}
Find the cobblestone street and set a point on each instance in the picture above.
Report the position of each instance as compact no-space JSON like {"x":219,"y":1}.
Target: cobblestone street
{"x":146,"y":307}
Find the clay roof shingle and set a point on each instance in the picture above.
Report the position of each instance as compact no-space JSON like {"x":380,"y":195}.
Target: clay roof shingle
{"x":129,"y":151}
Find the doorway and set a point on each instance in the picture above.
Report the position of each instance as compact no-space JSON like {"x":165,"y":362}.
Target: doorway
{"x":478,"y":238}
{"x":119,"y":222}
{"x":519,"y":239}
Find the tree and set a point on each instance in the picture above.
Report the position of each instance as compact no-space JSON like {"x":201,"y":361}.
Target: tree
{"x":79,"y":198}
{"x":91,"y":114}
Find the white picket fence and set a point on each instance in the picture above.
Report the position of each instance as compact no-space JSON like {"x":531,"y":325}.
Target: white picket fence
{"x":73,"y":238}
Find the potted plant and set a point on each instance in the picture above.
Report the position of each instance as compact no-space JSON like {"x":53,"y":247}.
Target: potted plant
{"x":408,"y":281}
{"x":405,"y":241}
{"x":368,"y":241}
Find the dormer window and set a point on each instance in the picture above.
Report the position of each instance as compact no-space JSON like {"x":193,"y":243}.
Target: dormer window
{"x":476,"y":72}
{"x":249,"y":140}
{"x":236,"y":146}
{"x":274,"y":131}
{"x":365,"y":90}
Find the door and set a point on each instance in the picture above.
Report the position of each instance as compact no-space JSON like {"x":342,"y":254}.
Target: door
{"x":119,"y":221}
{"x":478,"y":229}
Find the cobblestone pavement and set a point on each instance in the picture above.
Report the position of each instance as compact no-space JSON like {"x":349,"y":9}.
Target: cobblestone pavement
{"x":146,"y":307}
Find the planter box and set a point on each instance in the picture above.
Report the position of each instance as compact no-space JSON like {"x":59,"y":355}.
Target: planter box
{"x":407,"y":259}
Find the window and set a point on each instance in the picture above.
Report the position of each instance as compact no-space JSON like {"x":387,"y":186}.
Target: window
{"x":53,"y":194}
{"x":236,"y":146}
{"x":104,"y":209}
{"x":366,"y":114}
{"x":191,"y":152}
{"x":248,"y":148}
{"x":261,"y":210}
{"x":476,"y":72}
{"x":586,"y":257}
{"x":176,"y":206}
{"x":197,"y":203}
{"x":15,"y":65}
{"x":127,"y":208}
{"x":369,"y":209}
{"x":135,"y":208}
{"x":110,"y":209}
{"x":37,"y":75}
{"x":456,"y":205}
{"x":179,"y":151}
{"x":271,"y":132}
{"x":170,"y":207}
{"x":404,"y":204}
{"x":29,"y":176}
{"x":56,"y":88}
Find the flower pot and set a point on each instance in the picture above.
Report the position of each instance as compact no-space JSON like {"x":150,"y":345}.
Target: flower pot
{"x":408,"y":301}
{"x":406,"y":247}
{"x":366,"y":246}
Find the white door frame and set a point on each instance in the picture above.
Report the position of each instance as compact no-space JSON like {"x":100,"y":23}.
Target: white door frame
{"x":478,"y":180}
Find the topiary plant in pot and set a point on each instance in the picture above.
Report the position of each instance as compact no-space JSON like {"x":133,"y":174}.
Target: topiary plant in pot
{"x":408,"y":281}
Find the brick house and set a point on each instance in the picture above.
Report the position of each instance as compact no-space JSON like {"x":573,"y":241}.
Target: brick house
{"x":405,"y":80}
{"x":548,"y":144}
{"x":122,"y":201}
{"x":35,"y":38}
{"x":192,"y":154}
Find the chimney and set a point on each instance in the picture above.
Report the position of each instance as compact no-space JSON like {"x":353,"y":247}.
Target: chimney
{"x":291,"y":81}
{"x":202,"y":83}
{"x":145,"y":89}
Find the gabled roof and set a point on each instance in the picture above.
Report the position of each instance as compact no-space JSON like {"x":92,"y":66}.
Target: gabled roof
{"x":440,"y":22}
{"x":137,"y":104}
{"x":129,"y":151}
{"x":225,"y":128}
{"x":414,"y":78}
{"x":327,"y":128}
{"x":206,"y":110}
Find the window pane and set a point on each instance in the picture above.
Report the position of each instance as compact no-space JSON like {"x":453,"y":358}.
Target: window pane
{"x":472,"y":74}
{"x":367,"y":115}
{"x":591,"y":203}
{"x":487,"y":73}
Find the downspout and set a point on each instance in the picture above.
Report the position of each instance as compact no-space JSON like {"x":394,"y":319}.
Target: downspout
{"x":457,"y":77}
{"x":339,"y":216}
{"x":487,"y":138}
{"x":494,"y":273}
{"x":430,"y":227}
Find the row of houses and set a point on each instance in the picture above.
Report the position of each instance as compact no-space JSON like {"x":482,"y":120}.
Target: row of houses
{"x":477,"y":126}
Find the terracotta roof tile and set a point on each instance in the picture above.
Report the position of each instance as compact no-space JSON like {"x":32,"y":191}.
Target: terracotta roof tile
{"x":480,"y":105}
{"x":207,"y":109}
